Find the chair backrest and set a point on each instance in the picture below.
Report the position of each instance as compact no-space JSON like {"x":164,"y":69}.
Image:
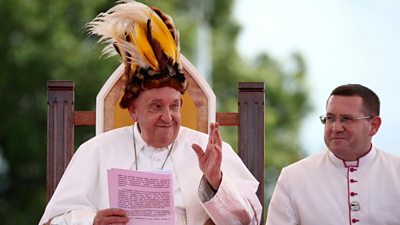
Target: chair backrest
{"x":62,"y":118}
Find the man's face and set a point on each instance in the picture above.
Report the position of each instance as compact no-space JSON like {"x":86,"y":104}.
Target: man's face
{"x":349,"y":138}
{"x":157,"y":112}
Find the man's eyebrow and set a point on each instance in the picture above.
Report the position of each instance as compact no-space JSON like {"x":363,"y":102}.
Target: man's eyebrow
{"x":155,"y":100}
{"x":160,"y":100}
{"x":331,"y":114}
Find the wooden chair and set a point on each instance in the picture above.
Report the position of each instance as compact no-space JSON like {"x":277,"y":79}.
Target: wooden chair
{"x":199,"y":103}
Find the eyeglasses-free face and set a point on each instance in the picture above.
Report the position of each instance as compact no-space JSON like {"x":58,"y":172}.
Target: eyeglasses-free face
{"x":157,"y":111}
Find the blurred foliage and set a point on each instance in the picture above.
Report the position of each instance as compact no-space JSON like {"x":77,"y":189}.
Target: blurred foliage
{"x":46,"y":40}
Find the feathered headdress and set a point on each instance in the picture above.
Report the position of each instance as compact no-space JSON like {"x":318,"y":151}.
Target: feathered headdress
{"x":148,"y":43}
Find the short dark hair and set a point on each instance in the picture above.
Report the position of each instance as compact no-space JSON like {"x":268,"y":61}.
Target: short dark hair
{"x":371,"y":102}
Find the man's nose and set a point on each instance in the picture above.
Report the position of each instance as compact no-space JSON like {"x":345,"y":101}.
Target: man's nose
{"x":337,"y":125}
{"x":166,"y":114}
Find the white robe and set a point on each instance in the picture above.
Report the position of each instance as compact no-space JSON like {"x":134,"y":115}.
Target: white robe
{"x":83,"y":189}
{"x":320,"y":189}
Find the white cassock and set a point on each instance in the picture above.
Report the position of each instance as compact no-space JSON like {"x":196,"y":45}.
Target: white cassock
{"x":83,"y":189}
{"x":325,"y":190}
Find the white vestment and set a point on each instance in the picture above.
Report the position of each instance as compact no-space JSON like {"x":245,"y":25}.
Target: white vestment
{"x":83,"y":189}
{"x":325,"y":190}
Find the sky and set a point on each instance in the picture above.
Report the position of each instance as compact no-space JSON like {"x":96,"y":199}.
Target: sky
{"x":342,"y":41}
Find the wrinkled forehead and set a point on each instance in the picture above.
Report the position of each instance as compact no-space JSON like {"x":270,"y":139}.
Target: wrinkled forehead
{"x":164,"y":94}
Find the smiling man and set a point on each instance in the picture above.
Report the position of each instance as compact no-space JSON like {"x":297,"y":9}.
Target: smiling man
{"x":211,"y":184}
{"x":352,"y":181}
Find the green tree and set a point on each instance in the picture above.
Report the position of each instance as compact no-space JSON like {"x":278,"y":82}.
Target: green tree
{"x":45,"y":40}
{"x":40,"y":41}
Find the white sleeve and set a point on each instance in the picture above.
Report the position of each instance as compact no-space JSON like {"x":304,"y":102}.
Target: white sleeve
{"x":281,"y":210}
{"x":73,"y":198}
{"x":231,"y":204}
{"x":75,"y":217}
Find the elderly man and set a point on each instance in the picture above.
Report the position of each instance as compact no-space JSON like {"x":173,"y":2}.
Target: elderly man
{"x":352,"y":182}
{"x":210,"y":182}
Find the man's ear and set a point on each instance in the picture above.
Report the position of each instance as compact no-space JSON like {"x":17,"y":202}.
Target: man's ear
{"x":375,"y":124}
{"x":132,"y":112}
{"x":181,"y":101}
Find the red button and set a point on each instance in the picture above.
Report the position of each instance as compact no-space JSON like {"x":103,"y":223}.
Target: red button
{"x":353,"y":194}
{"x":355,"y":220}
{"x":352,"y":169}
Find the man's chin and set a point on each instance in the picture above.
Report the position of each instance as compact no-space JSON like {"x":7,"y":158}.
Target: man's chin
{"x":338,"y":150}
{"x":338,"y":142}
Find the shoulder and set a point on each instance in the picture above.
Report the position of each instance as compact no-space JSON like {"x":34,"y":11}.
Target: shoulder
{"x":115,"y":133}
{"x":308,"y":164}
{"x":188,"y":131}
{"x":194,"y":136}
{"x":113,"y":148}
{"x":188,"y":134}
{"x":110,"y":139}
{"x":388,"y":158}
{"x":388,"y":155}
{"x":307,"y":171}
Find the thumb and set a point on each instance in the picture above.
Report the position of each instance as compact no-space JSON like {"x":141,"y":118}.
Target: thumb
{"x":198,"y":150}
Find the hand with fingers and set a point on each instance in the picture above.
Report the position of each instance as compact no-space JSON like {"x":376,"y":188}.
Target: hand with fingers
{"x":210,"y":159}
{"x":111,"y":216}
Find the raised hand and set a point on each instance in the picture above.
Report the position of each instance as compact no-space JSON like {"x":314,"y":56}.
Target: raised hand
{"x":210,"y":159}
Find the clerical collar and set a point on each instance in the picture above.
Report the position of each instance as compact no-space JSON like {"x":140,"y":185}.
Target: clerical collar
{"x":362,"y":161}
